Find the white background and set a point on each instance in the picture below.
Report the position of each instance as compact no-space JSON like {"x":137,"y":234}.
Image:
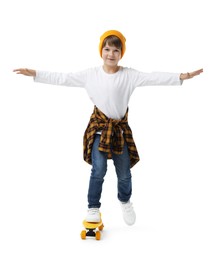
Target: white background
{"x":43,"y":178}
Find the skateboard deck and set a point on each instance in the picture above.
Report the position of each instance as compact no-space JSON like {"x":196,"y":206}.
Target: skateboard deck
{"x":92,"y":229}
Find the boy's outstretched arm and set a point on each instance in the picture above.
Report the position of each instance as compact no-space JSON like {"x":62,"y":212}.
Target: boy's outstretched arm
{"x":190,"y":75}
{"x":26,"y":72}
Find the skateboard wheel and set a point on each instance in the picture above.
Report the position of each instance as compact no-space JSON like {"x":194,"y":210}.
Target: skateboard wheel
{"x":98,"y":235}
{"x":83,"y":234}
{"x":101,"y":227}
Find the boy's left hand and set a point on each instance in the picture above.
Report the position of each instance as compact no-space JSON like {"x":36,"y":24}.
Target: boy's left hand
{"x":190,"y":75}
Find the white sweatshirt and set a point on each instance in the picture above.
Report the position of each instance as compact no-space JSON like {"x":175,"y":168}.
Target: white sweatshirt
{"x":109,"y":92}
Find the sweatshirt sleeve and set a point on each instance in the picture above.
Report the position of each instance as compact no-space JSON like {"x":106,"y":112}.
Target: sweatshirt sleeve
{"x":155,"y":79}
{"x":64,"y":79}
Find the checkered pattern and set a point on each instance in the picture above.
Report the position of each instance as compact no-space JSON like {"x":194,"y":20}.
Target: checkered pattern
{"x":114,"y":133}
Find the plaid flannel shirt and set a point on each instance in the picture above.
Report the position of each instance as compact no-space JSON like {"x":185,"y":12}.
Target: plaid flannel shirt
{"x":113,"y":134}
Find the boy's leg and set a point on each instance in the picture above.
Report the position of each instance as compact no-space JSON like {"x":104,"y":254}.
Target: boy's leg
{"x":99,"y":169}
{"x":122,"y":166}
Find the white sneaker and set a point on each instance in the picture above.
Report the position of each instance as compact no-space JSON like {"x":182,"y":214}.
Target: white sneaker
{"x":93,"y":215}
{"x":128,"y":213}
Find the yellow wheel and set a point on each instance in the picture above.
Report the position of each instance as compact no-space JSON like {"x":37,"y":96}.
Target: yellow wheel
{"x":98,"y":235}
{"x":83,"y":234}
{"x":101,"y":227}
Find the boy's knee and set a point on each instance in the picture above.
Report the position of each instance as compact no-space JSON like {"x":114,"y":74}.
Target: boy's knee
{"x":124,"y":176}
{"x":99,"y":169}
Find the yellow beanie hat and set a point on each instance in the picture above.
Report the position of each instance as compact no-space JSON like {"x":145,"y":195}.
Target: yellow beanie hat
{"x":117,"y":34}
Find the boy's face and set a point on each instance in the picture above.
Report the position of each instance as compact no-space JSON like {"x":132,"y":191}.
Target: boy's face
{"x":111,"y":55}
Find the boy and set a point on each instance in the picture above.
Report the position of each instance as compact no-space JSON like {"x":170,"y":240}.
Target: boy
{"x":108,"y":135}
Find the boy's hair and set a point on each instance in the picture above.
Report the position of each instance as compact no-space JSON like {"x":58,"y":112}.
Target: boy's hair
{"x":112,"y":40}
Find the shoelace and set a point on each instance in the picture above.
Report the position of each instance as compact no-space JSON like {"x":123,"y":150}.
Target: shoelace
{"x":93,"y":211}
{"x":127,"y":207}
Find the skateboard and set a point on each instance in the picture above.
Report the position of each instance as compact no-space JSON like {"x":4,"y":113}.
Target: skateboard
{"x":92,"y":229}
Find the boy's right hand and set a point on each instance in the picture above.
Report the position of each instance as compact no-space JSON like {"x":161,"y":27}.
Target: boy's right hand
{"x":26,"y":72}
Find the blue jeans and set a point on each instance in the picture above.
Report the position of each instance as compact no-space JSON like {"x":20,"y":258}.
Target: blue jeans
{"x":99,"y":169}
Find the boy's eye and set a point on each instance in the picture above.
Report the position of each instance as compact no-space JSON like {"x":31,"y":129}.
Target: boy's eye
{"x":107,"y":49}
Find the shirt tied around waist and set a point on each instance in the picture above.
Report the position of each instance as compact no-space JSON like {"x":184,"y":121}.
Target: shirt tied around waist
{"x":113,"y":135}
